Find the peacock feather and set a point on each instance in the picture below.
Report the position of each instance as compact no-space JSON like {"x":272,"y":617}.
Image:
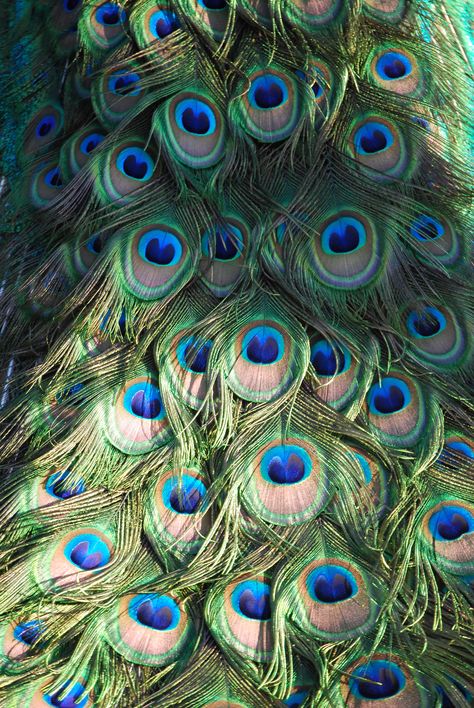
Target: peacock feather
{"x":236,"y":350}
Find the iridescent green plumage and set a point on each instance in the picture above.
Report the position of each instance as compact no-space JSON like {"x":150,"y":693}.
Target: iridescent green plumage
{"x":236,"y":312}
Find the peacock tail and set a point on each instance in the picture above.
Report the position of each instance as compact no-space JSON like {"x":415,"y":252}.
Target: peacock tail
{"x":236,"y":313}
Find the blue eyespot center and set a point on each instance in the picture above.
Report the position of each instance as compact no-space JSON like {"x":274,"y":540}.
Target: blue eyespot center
{"x":345,"y":240}
{"x":74,"y":698}
{"x":110,"y":14}
{"x":377,"y":680}
{"x":185,"y":494}
{"x":453,"y":448}
{"x":331,"y":583}
{"x":185,"y":499}
{"x":95,"y":245}
{"x":53,"y":178}
{"x":196,"y":356}
{"x":226,"y":248}
{"x":224,"y":243}
{"x":45,"y":126}
{"x":161,"y":248}
{"x":372,"y":137}
{"x":426,"y":228}
{"x":57,"y":485}
{"x":146,"y":404}
{"x":390,"y":396}
{"x":214,"y":4}
{"x":316,"y":84}
{"x":134,"y":168}
{"x":125,"y":84}
{"x":329,"y":358}
{"x":344,"y":234}
{"x":87,"y":552}
{"x":72,"y":394}
{"x":286,"y":471}
{"x":143,"y":400}
{"x":251,"y":599}
{"x":135,"y":163}
{"x":159,"y":612}
{"x":160,"y":252}
{"x":393,"y":65}
{"x":28,"y":632}
{"x":450,"y":522}
{"x":263,"y":345}
{"x":90,"y":142}
{"x":195,"y":121}
{"x":285,"y":464}
{"x":296,"y":699}
{"x":268,"y":91}
{"x":426,"y":323}
{"x":163,"y":23}
{"x":196,"y":117}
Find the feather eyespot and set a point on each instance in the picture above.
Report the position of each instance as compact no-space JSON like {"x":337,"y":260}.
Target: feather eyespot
{"x":28,"y":632}
{"x":20,"y":640}
{"x":70,"y":695}
{"x":397,"y":410}
{"x":333,"y":599}
{"x":338,"y":372}
{"x":116,"y":93}
{"x":134,"y":419}
{"x":57,"y":486}
{"x":436,"y":335}
{"x":191,"y":128}
{"x":377,"y":680}
{"x":90,"y":142}
{"x":261,"y":360}
{"x":177,"y":513}
{"x":81,"y":555}
{"x":447,"y":533}
{"x":379,"y":147}
{"x":396,"y":69}
{"x":162,"y":23}
{"x":152,"y":25}
{"x":44,"y":128}
{"x":78,"y":150}
{"x":435,"y":239}
{"x":150,"y":629}
{"x":239,"y":617}
{"x":209,"y":16}
{"x":45,"y":185}
{"x":155,"y":261}
{"x":224,"y":250}
{"x":286,"y":482}
{"x":269,"y":108}
{"x":391,"y":11}
{"x":381,"y":677}
{"x":348,"y":252}
{"x":186,"y":368}
{"x":102,"y":26}
{"x":122,"y":171}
